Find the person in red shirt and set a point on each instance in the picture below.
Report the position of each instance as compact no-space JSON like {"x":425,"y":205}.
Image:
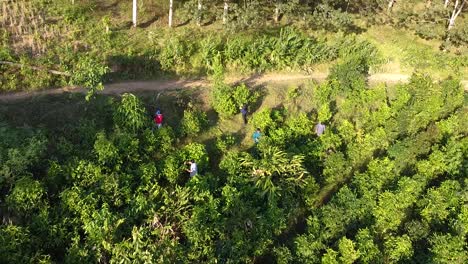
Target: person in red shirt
{"x":158,"y":118}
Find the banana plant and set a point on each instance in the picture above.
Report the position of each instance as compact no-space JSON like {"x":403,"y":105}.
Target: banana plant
{"x":275,"y":172}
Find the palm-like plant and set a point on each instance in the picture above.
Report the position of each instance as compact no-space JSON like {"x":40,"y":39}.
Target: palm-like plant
{"x":275,"y":171}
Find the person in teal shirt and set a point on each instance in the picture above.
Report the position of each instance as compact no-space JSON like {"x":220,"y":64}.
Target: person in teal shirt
{"x":256,"y":135}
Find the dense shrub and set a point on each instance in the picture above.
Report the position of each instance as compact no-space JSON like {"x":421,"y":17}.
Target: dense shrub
{"x":227,"y":100}
{"x":326,"y":17}
{"x":193,"y":122}
{"x":131,"y":114}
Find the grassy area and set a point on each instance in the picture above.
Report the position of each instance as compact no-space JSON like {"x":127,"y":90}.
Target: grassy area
{"x":404,"y":53}
{"x":101,"y":32}
{"x":71,"y":107}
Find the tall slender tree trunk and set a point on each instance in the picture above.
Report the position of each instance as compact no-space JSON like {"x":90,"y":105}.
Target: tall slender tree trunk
{"x":171,"y":2}
{"x":456,"y":11}
{"x":199,"y":16}
{"x":226,"y":10}
{"x":134,"y":17}
{"x":428,"y":3}
{"x":446,"y":3}
{"x":390,"y":6}
{"x":277,"y":11}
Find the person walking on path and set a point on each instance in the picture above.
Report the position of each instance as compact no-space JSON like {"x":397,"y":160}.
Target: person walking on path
{"x":244,"y":112}
{"x":158,"y":118}
{"x":319,"y":129}
{"x":257,"y":135}
{"x":193,"y":168}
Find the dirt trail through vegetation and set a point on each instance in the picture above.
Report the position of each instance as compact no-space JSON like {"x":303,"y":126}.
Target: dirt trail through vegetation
{"x":159,"y":85}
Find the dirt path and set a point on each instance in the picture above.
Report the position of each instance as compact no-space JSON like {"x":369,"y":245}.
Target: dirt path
{"x":158,"y":85}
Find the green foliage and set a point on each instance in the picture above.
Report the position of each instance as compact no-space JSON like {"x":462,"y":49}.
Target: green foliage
{"x":228,"y":100}
{"x":26,"y":196}
{"x":350,"y":74}
{"x":175,"y":52}
{"x":107,"y":153}
{"x":384,"y":183}
{"x":223,"y":143}
{"x":369,"y":252}
{"x":193,"y":122}
{"x":440,"y":202}
{"x":15,"y":243}
{"x":283,"y":255}
{"x":398,"y":248}
{"x":247,"y":15}
{"x":326,"y":17}
{"x":20,"y":150}
{"x":347,"y":251}
{"x":448,"y":249}
{"x":275,"y":172}
{"x":267,"y":119}
{"x":130,"y":114}
{"x":196,"y":152}
{"x":89,"y":72}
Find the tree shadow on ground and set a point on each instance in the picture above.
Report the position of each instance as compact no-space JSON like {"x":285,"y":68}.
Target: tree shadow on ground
{"x":149,"y":22}
{"x":212,"y":117}
{"x":105,"y":7}
{"x":214,"y":152}
{"x":184,"y":23}
{"x":255,"y":106}
{"x":123,"y":26}
{"x":209,"y":22}
{"x":132,"y":67}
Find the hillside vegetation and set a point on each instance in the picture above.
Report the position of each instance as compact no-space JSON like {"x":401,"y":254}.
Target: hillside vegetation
{"x":88,"y":182}
{"x":93,"y":41}
{"x":90,"y":178}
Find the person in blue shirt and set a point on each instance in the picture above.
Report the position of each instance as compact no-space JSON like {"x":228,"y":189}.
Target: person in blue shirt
{"x":256,"y":135}
{"x":244,"y":113}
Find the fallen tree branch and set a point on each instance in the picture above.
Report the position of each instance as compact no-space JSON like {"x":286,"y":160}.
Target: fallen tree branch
{"x":35,"y":68}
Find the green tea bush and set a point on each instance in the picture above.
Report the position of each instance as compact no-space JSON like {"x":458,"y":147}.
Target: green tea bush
{"x":89,"y":73}
{"x":459,"y":35}
{"x":165,"y":137}
{"x":175,"y":54}
{"x":106,"y":151}
{"x":15,"y":243}
{"x":20,"y":150}
{"x":247,"y":16}
{"x":223,"y":102}
{"x":230,"y":164}
{"x":227,"y":100}
{"x":224,"y":142}
{"x":263,"y":120}
{"x":327,"y":17}
{"x":173,"y":167}
{"x":193,"y":122}
{"x":351,"y":74}
{"x":130,"y":114}
{"x":197,"y":152}
{"x":26,"y":196}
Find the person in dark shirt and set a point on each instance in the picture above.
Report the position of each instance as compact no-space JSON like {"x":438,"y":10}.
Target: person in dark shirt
{"x":244,"y":113}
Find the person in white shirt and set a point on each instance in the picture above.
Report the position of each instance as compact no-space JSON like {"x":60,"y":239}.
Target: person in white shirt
{"x":193,"y":168}
{"x":319,"y":129}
